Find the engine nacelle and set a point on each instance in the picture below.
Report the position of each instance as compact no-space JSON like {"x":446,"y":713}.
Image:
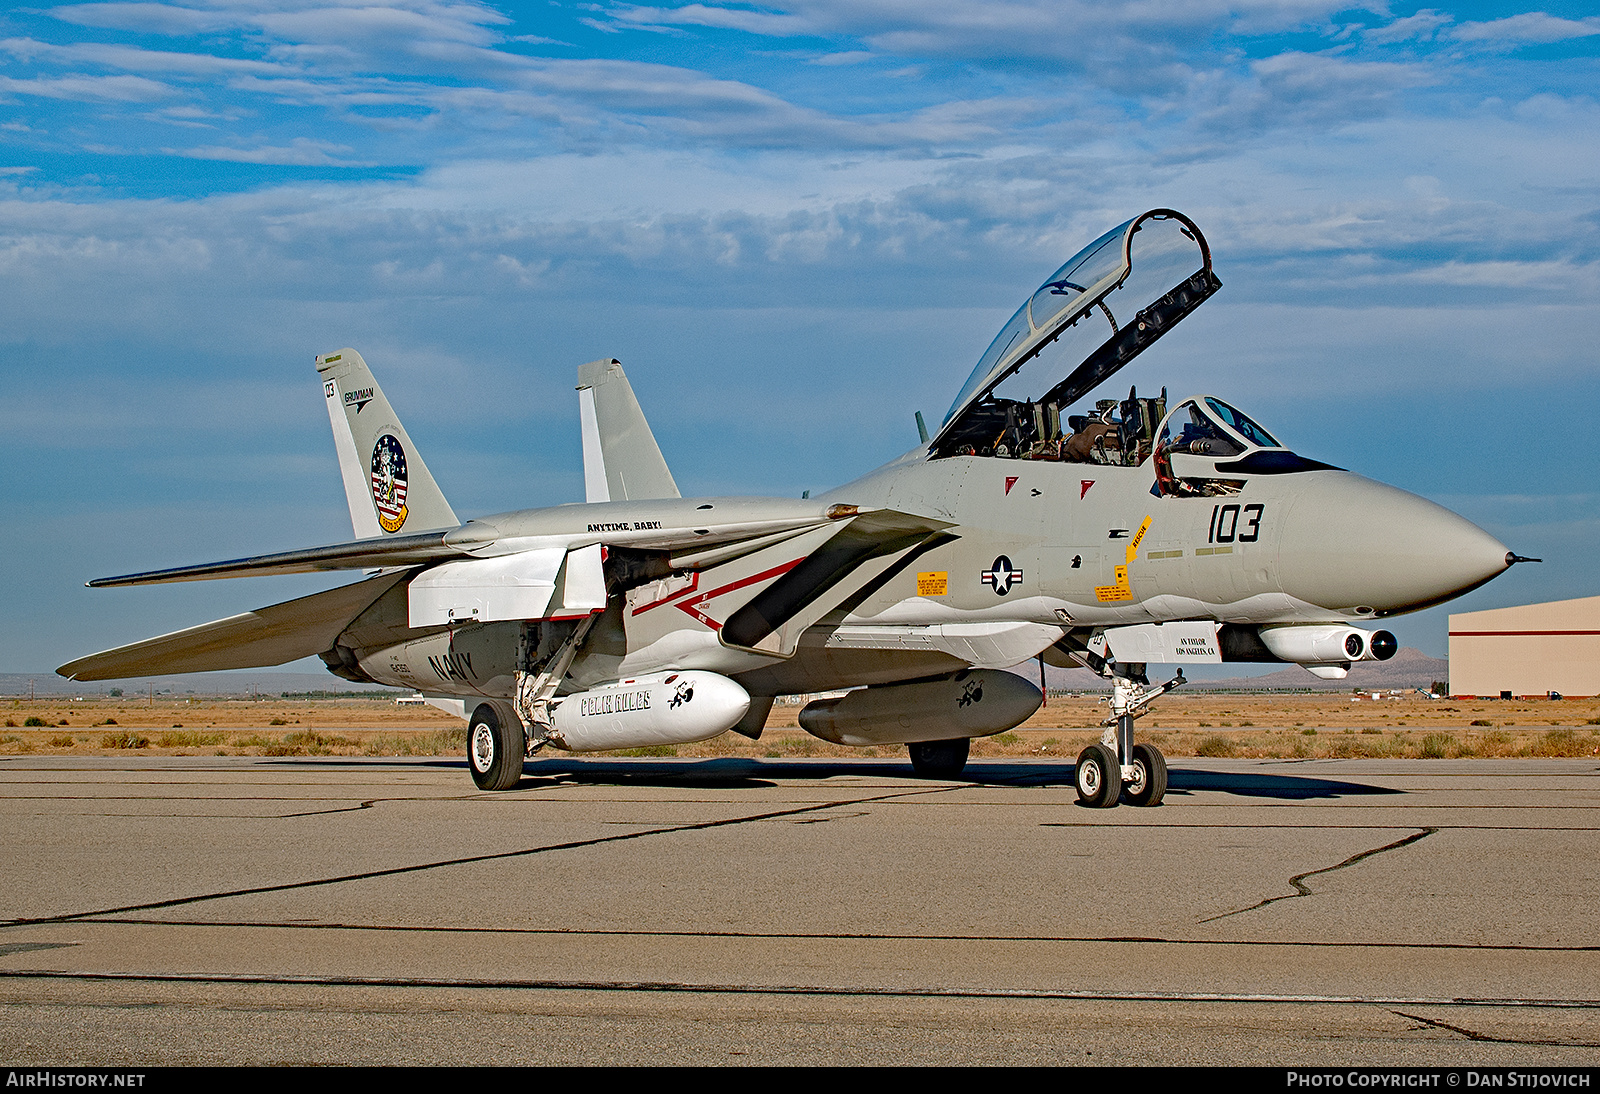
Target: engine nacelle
{"x":974,"y":703}
{"x":1327,"y":643}
{"x":660,"y":709}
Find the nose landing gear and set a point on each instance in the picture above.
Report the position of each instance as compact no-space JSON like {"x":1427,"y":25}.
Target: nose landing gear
{"x":1099,"y":777}
{"x":1115,"y":768}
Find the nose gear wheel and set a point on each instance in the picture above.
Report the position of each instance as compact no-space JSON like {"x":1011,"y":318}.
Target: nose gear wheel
{"x":1098,"y":777}
{"x":1148,"y":784}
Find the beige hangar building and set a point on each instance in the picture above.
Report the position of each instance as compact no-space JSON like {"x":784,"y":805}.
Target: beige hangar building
{"x":1531,"y":649}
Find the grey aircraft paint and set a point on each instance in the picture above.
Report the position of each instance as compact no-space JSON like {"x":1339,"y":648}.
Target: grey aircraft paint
{"x":1032,"y":524}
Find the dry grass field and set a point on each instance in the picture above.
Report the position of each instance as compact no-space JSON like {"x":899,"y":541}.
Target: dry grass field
{"x":1196,"y":724}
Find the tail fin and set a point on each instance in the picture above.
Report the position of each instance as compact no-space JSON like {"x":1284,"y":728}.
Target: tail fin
{"x":621,"y":460}
{"x":385,"y":481}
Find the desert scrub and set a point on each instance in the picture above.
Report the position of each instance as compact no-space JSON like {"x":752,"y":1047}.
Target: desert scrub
{"x":799,"y":746}
{"x":1480,"y":722}
{"x":189,"y":739}
{"x":1216,"y":745}
{"x":1562,"y":742}
{"x":1494,"y":743}
{"x":310,"y":738}
{"x":436,"y":743}
{"x":33,"y":721}
{"x":1357,"y":748}
{"x":125,"y":739}
{"x":62,"y":741}
{"x":1436,"y":746}
{"x":648,"y":750}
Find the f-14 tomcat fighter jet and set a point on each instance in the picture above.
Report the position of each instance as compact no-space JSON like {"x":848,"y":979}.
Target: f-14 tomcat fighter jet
{"x":1112,"y":534}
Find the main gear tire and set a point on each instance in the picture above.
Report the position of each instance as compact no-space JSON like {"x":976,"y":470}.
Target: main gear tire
{"x":939,"y":759}
{"x":494,"y":748}
{"x":1148,"y":784}
{"x":1098,"y":777}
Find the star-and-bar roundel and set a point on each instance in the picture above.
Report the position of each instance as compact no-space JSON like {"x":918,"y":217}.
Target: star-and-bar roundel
{"x":389,"y":482}
{"x":1001,"y":576}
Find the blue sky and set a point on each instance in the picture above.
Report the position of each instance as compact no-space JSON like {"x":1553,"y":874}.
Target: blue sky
{"x":796,"y":223}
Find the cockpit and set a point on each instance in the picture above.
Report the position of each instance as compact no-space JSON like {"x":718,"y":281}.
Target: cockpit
{"x":1094,"y":315}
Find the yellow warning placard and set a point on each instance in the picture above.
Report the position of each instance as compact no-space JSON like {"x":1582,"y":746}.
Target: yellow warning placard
{"x":1108,"y":594}
{"x":933,"y":583}
{"x":1120,"y":591}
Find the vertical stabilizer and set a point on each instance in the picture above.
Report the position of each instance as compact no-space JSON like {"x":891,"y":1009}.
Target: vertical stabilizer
{"x":388,"y":486}
{"x":621,"y":460}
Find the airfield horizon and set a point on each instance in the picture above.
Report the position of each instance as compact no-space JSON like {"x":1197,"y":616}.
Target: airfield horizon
{"x":1257,"y":725}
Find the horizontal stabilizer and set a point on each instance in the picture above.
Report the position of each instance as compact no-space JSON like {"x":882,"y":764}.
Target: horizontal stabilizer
{"x":273,"y":635}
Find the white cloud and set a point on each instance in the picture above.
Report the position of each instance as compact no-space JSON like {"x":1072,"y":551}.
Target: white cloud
{"x":1001,"y":31}
{"x":1528,"y":28}
{"x":847,"y":57}
{"x":1422,"y":26}
{"x":79,"y":88}
{"x":168,"y":19}
{"x":302,"y":151}
{"x":768,"y":24}
{"x":133,"y":59}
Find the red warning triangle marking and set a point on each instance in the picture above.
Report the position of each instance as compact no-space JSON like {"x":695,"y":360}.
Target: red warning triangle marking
{"x":1011,"y":480}
{"x":1085,"y":484}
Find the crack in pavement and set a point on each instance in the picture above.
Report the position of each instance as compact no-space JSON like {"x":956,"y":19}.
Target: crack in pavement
{"x":1474,"y":1035}
{"x":1298,"y":881}
{"x":394,"y":871}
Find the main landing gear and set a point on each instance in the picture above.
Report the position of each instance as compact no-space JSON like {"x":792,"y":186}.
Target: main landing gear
{"x":1115,"y":768}
{"x":495,"y":746}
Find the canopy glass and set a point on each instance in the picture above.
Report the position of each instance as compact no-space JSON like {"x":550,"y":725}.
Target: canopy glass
{"x":1102,"y":308}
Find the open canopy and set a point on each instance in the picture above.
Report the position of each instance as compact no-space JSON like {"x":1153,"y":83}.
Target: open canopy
{"x":1104,"y":307}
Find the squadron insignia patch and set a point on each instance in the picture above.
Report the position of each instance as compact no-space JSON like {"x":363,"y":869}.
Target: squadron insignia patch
{"x":389,"y":482}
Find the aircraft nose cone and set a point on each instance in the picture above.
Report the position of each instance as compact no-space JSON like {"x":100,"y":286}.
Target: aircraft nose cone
{"x":1350,"y":542}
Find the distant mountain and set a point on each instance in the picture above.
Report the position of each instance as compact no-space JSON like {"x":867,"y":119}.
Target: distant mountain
{"x":194,"y":683}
